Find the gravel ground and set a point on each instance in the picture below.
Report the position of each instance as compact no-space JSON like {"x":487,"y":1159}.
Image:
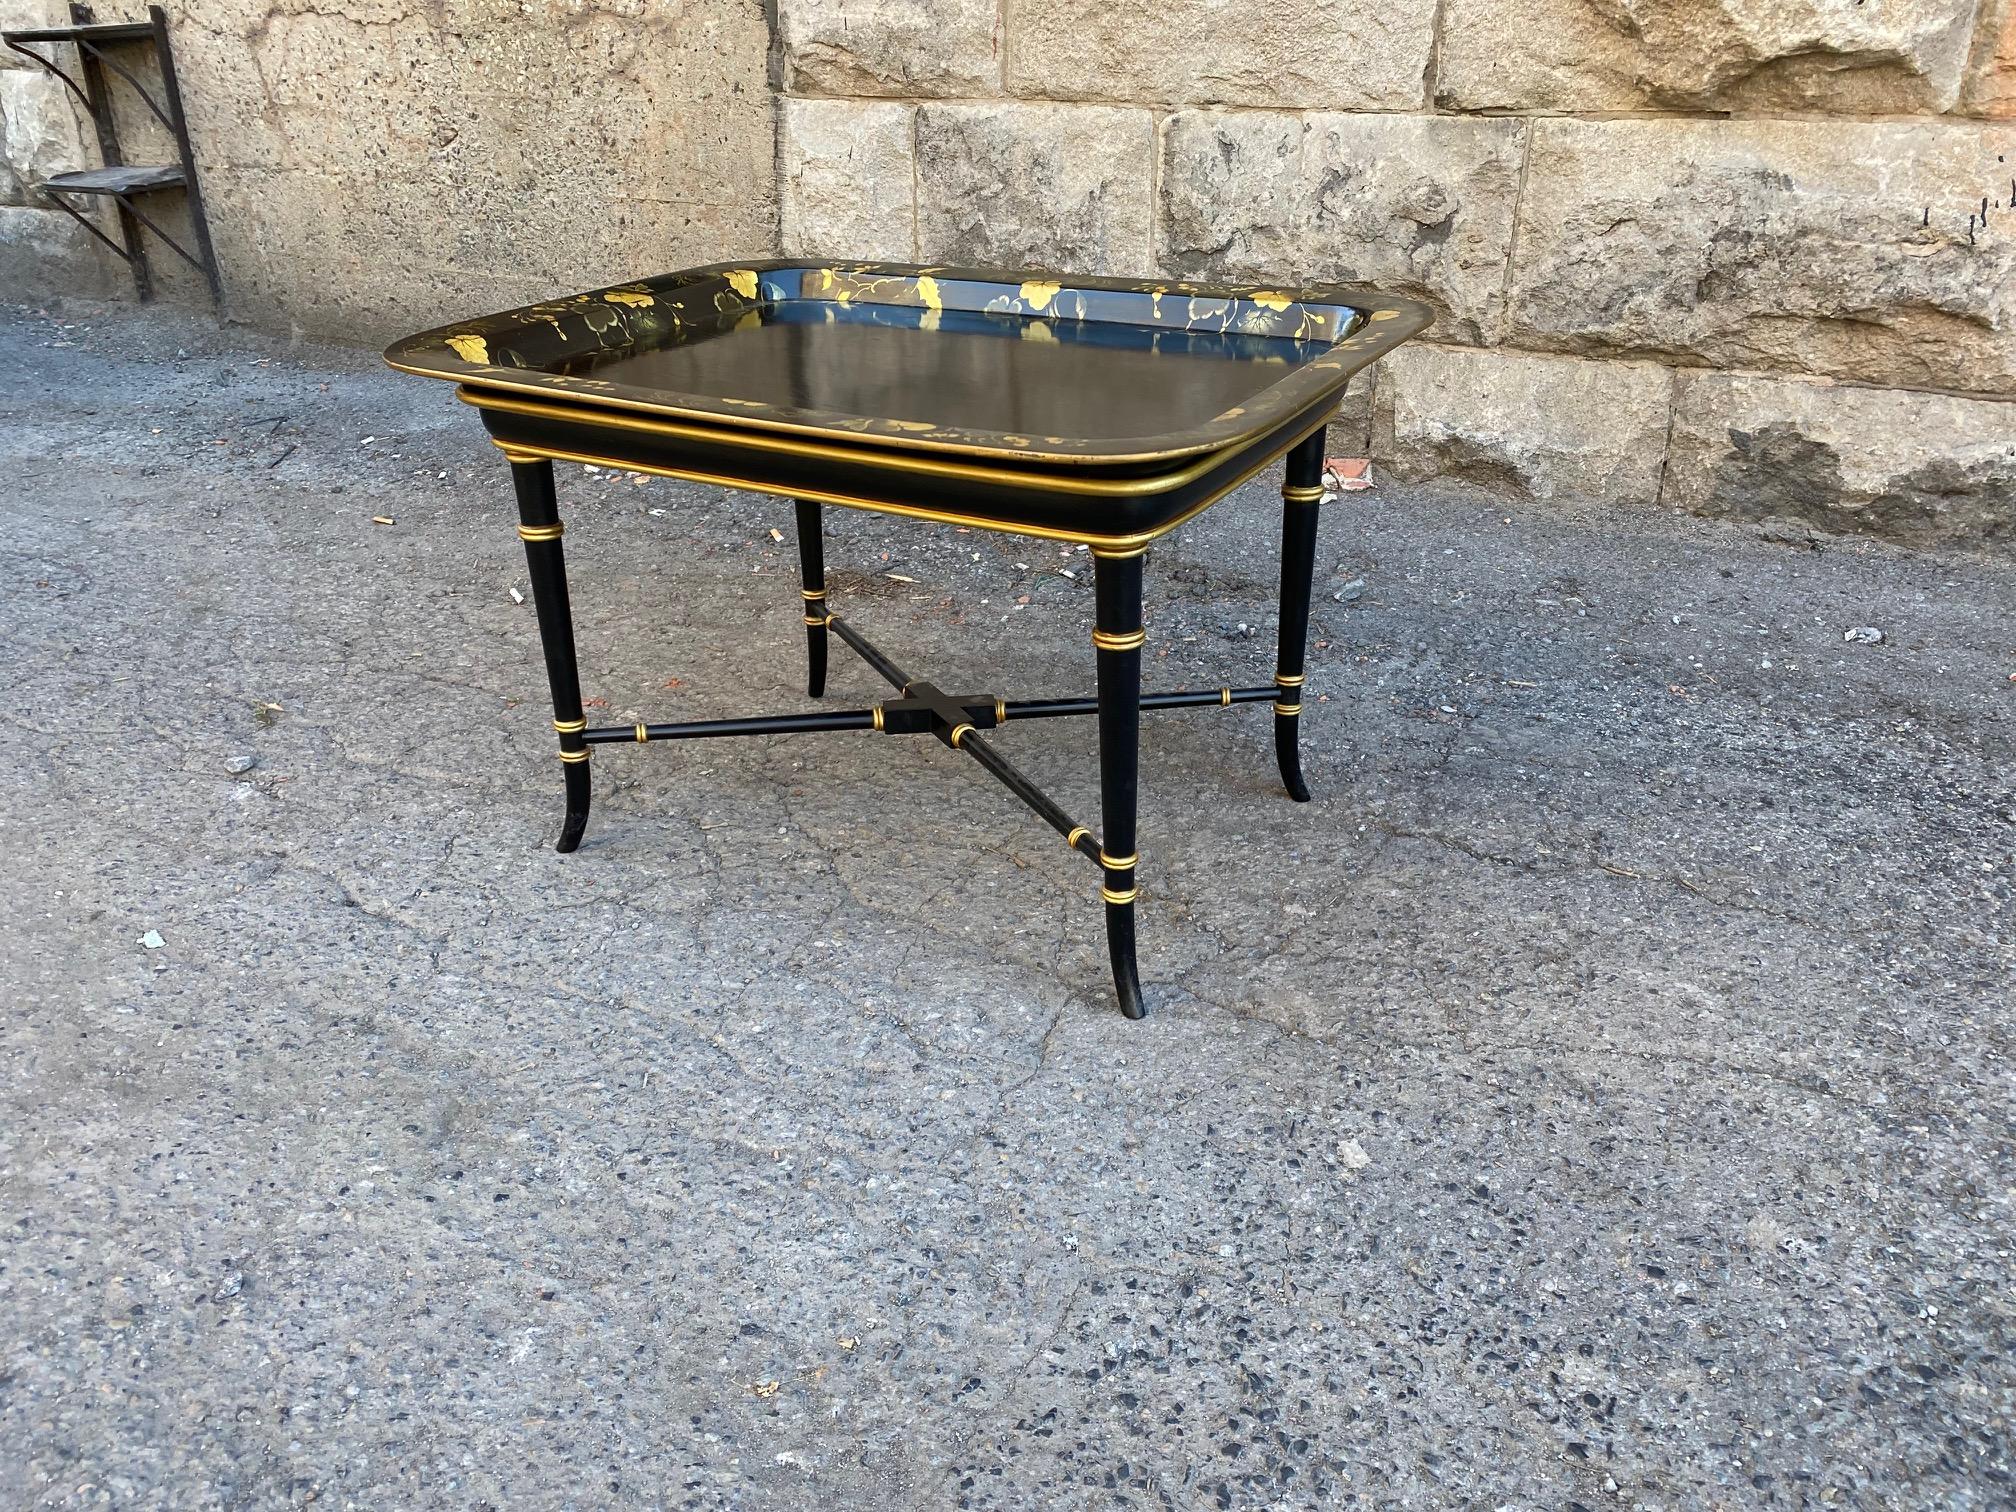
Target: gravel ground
{"x":1599,"y":1097}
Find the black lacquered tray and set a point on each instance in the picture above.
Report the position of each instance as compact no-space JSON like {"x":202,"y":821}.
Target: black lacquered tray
{"x":1013,"y":371}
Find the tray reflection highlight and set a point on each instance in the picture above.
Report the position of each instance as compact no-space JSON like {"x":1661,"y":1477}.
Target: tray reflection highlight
{"x":959,"y":369}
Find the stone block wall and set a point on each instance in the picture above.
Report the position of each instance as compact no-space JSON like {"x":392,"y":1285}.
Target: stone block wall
{"x":42,"y":251}
{"x":379,"y":165}
{"x":1747,"y":257}
{"x":1744,"y":257}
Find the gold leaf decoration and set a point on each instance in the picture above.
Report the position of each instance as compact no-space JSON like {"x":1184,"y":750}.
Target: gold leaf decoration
{"x":1038,"y":295}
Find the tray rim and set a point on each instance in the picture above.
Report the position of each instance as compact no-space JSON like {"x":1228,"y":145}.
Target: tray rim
{"x":1387,"y":320}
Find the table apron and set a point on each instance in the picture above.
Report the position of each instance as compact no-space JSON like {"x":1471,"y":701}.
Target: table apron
{"x":1019,"y":501}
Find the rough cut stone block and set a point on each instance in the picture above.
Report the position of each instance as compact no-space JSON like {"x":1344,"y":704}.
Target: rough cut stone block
{"x":889,"y":47}
{"x":1924,"y":469}
{"x":849,"y":180}
{"x":44,"y":253}
{"x":11,"y":188}
{"x":1232,"y":196}
{"x":28,"y":15}
{"x":43,"y":133}
{"x":1341,"y":54}
{"x":1532,"y":427}
{"x":1991,"y":78}
{"x":1822,"y":247}
{"x":1696,"y":54}
{"x":1414,"y":204}
{"x":1351,"y":427}
{"x":1041,"y":186}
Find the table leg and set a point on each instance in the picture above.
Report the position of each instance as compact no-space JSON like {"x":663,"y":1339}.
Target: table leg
{"x":812,"y":566}
{"x":540,"y":528}
{"x":1118,"y":636}
{"x":1300,"y":496}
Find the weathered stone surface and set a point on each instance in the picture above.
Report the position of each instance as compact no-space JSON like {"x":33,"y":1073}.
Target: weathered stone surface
{"x":11,"y":187}
{"x":380,"y":164}
{"x":269,"y":239}
{"x":1532,"y":427}
{"x":849,"y":185}
{"x":1043,"y":186}
{"x":25,"y":15}
{"x":1923,"y":469}
{"x":1341,"y":54}
{"x":1991,"y":77}
{"x":890,"y":47}
{"x":1351,"y":427}
{"x":1832,"y":248}
{"x":1231,"y":193}
{"x":43,"y":133}
{"x":29,"y":128}
{"x":45,"y":253}
{"x":1716,"y":54}
{"x":1415,"y":204}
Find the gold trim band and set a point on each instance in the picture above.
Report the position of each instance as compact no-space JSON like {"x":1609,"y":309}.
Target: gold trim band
{"x":1294,"y":708}
{"x":1119,"y":897}
{"x":1110,"y":554}
{"x":1000,"y":711}
{"x":957,"y":731}
{"x":641,"y":736}
{"x":1283,"y":680}
{"x":1225,"y":698}
{"x":515,"y":456}
{"x":551,"y":532}
{"x":1072,"y":838}
{"x":819,"y":621}
{"x":877,"y":712}
{"x":570,"y":726}
{"x":1119,"y":863}
{"x":573,"y":756}
{"x":1119,"y":640}
{"x":1303,"y":493}
{"x":1115,"y":544}
{"x":930,"y":467}
{"x":811,"y":593}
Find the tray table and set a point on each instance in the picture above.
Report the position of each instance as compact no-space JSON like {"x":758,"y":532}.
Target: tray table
{"x":1098,"y":411}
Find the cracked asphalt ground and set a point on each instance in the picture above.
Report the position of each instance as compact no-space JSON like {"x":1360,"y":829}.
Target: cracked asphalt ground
{"x":1600,"y":1096}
